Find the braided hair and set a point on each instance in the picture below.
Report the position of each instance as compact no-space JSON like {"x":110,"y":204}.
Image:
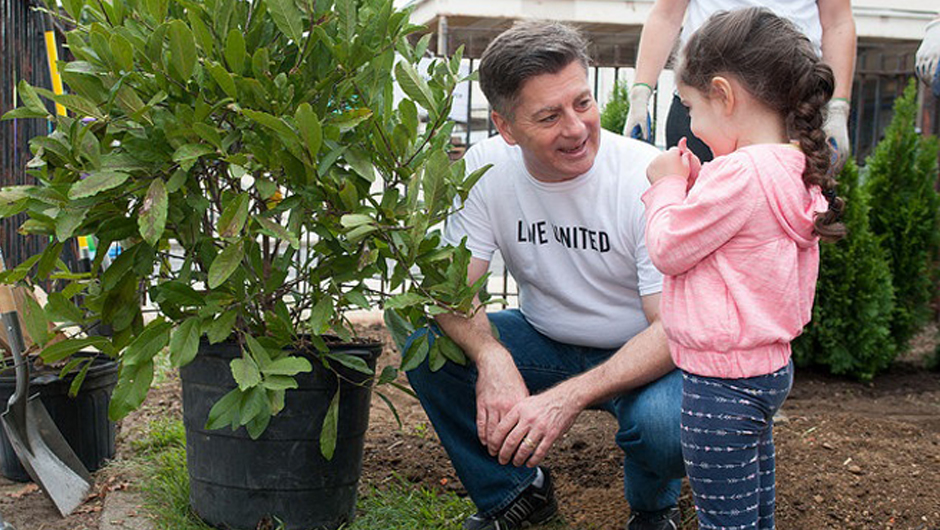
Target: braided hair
{"x":778,"y":66}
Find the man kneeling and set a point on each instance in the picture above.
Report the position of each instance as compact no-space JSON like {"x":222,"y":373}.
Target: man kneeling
{"x":562,"y":205}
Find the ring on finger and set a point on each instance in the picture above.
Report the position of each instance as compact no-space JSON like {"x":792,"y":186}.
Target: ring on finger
{"x":529,"y":443}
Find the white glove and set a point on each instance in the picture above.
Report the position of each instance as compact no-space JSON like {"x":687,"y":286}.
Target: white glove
{"x":638,"y":117}
{"x":836,"y":128}
{"x":928,"y":55}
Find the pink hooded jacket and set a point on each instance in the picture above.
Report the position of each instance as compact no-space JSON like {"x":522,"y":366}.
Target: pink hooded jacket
{"x":740,"y":259}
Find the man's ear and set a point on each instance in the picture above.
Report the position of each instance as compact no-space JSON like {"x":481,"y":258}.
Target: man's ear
{"x":504,"y":127}
{"x":721,"y":88}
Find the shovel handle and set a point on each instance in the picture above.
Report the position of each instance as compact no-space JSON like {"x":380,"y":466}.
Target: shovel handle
{"x":7,"y":302}
{"x":11,"y":324}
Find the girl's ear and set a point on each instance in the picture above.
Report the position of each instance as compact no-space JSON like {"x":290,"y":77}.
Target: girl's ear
{"x":723,"y":91}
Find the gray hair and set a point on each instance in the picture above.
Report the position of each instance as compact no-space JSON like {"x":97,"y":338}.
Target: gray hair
{"x":528,"y":49}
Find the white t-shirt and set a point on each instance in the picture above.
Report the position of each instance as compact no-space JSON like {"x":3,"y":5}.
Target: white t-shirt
{"x":803,"y":13}
{"x":575,"y":248}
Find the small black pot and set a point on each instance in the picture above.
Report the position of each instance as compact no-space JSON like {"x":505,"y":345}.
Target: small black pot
{"x":83,"y":420}
{"x":237,"y":482}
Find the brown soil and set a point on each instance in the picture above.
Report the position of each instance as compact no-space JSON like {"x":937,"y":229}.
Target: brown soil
{"x":849,"y":455}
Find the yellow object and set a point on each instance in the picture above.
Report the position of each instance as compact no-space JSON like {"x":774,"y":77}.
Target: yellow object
{"x":52,"y":52}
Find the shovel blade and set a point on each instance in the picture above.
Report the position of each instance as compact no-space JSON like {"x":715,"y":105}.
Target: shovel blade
{"x":47,"y":457}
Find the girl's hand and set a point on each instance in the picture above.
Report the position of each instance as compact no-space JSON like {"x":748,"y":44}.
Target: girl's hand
{"x":695,"y":165}
{"x":668,"y":164}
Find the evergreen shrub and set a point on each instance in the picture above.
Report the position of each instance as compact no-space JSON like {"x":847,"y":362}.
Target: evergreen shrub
{"x":850,"y":330}
{"x":904,"y":214}
{"x":614,"y":114}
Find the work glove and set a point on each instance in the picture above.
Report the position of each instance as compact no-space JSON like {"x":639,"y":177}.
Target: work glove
{"x":638,"y":118}
{"x":928,"y":57}
{"x":836,"y":128}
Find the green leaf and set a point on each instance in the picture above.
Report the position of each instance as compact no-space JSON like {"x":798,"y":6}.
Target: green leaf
{"x":61,"y":309}
{"x":184,"y":344}
{"x":234,"y":216}
{"x":320,"y":316}
{"x":246,"y":372}
{"x":288,"y":366}
{"x":119,"y":267}
{"x":202,"y":34}
{"x":356,"y":297}
{"x":79,"y":378}
{"x":451,"y":350}
{"x":158,"y":8}
{"x":34,"y":319}
{"x":235,"y":52}
{"x":254,"y":406}
{"x":67,"y":221}
{"x":23,"y":113}
{"x":274,"y":123}
{"x":330,"y":424}
{"x":148,"y":343}
{"x":279,"y":382}
{"x":225,"y":264}
{"x":182,"y":49}
{"x":131,"y":390}
{"x":361,"y":163}
{"x":277,"y":231}
{"x":352,"y":220}
{"x":309,"y":125}
{"x":225,"y":410}
{"x":209,"y":134}
{"x":123,"y":52}
{"x":220,"y":328}
{"x":62,"y":350}
{"x":436,"y":361}
{"x":389,"y":374}
{"x":79,"y":104}
{"x":404,"y":300}
{"x":224,"y":79}
{"x":153,"y":210}
{"x":351,"y":361}
{"x":30,"y":98}
{"x":288,"y":19}
{"x":416,"y":353}
{"x":188,"y":154}
{"x":96,"y":182}
{"x":398,"y":327}
{"x":175,"y":292}
{"x":414,"y":86}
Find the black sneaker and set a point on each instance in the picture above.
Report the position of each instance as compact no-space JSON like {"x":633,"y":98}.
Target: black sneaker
{"x":668,"y":519}
{"x":532,"y":506}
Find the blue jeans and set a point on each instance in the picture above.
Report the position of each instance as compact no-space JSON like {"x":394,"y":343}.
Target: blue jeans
{"x":648,"y":418}
{"x":728,"y":445}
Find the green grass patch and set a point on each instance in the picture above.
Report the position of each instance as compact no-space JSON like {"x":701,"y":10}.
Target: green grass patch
{"x":395,"y":505}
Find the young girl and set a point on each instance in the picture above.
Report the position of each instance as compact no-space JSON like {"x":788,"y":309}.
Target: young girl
{"x":737,"y":240}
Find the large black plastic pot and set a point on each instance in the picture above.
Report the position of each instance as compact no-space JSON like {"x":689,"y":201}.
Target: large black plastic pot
{"x":237,"y":482}
{"x":83,"y":420}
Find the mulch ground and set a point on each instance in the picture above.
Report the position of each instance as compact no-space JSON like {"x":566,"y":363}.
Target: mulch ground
{"x":849,"y":455}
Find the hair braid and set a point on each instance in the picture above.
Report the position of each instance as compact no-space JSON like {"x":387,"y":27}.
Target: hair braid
{"x":780,"y":68}
{"x":809,"y":96}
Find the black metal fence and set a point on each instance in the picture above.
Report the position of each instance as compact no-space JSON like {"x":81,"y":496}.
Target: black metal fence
{"x":22,"y":56}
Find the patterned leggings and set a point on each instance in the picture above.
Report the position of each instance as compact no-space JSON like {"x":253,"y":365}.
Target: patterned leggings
{"x":728,"y":447}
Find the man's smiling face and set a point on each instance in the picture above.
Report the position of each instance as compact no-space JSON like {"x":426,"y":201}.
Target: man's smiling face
{"x":556,"y":123}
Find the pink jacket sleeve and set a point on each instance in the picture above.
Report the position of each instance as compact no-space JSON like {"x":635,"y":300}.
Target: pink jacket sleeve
{"x":682,"y":229}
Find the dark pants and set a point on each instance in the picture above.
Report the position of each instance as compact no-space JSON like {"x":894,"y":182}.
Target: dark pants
{"x":648,"y":419}
{"x":728,"y":447}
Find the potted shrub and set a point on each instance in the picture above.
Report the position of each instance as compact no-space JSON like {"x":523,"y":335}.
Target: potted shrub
{"x":262,"y":178}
